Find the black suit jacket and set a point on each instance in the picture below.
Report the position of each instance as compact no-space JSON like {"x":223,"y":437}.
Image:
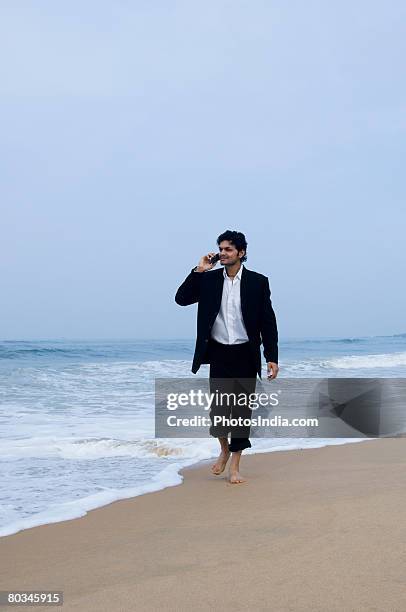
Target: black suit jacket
{"x":206,"y":288}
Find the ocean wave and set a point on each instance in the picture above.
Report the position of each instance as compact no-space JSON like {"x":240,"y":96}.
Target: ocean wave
{"x":76,"y":508}
{"x":51,"y":352}
{"x":6,"y":353}
{"x":350,"y":362}
{"x":344,"y":340}
{"x":100,"y":448}
{"x":109,"y":349}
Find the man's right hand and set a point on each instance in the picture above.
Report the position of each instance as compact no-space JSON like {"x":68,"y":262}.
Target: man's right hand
{"x":204,"y":263}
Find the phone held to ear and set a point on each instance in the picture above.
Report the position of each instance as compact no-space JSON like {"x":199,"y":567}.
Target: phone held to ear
{"x":215,"y":259}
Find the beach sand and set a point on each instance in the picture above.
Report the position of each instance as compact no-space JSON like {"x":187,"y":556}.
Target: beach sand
{"x":315,"y":529}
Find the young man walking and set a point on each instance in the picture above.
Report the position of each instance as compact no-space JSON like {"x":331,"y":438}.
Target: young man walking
{"x":234,"y":317}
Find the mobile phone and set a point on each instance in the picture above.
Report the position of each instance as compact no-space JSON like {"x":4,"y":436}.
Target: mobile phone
{"x":215,"y":258}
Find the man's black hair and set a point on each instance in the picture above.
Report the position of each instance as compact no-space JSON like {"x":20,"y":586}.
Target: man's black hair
{"x":237,"y":239}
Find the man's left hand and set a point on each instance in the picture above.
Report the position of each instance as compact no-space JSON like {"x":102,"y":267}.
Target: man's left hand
{"x":273,"y":370}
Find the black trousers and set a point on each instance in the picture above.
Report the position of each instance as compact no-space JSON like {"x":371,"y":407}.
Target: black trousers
{"x":232,"y":371}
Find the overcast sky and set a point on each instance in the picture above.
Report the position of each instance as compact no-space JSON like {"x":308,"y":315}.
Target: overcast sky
{"x":134,"y":132}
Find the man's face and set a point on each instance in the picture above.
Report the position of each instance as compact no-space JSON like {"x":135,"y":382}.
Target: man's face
{"x":228,"y":253}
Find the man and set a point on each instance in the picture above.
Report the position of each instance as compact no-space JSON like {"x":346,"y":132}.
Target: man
{"x":234,"y":317}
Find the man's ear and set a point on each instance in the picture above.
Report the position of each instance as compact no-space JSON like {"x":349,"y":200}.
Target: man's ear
{"x":243,"y":253}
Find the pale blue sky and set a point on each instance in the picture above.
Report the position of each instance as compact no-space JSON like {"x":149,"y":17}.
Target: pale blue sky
{"x":134,"y":132}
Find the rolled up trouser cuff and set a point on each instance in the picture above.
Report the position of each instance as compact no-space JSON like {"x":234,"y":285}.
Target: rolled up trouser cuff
{"x":238,"y":444}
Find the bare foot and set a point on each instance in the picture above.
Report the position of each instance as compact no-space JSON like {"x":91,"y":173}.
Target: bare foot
{"x":220,"y":465}
{"x":236,"y":478}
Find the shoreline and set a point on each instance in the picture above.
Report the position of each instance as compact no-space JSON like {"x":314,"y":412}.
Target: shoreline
{"x":88,"y":504}
{"x":320,"y":530}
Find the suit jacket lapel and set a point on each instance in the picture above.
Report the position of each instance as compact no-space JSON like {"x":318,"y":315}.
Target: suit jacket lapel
{"x":244,"y":295}
{"x":218,"y":293}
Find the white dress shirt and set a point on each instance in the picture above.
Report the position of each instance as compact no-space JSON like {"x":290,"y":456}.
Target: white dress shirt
{"x":229,"y":328}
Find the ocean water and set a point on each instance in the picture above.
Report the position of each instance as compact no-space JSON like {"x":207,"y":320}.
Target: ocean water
{"x":77,"y":417}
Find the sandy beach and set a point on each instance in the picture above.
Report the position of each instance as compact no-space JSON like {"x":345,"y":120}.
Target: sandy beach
{"x":315,"y":529}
